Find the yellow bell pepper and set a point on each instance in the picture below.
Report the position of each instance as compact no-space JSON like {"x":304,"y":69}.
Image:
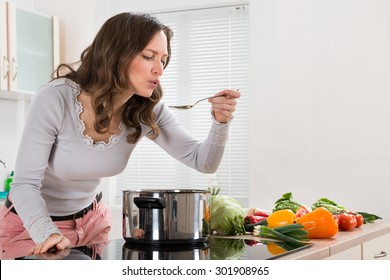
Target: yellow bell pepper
{"x":281,"y":218}
{"x":275,"y":249}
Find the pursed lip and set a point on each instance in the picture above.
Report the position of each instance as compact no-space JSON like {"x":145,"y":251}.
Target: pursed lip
{"x":154,"y":82}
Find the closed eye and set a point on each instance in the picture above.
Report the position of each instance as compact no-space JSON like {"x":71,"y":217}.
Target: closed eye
{"x":163,"y":62}
{"x":147,"y":57}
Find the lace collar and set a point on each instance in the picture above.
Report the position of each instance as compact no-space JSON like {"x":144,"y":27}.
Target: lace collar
{"x":80,"y":125}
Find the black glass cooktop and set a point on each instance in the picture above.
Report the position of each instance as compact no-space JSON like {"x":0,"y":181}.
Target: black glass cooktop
{"x":214,"y":249}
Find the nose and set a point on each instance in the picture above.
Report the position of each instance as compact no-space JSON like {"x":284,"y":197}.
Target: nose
{"x":158,"y":68}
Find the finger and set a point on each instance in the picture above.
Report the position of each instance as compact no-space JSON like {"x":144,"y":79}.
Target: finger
{"x":230,"y":94}
{"x":223,"y":114}
{"x":36,"y":250}
{"x":226,"y":106}
{"x":31,"y":251}
{"x":50,"y":243}
{"x":65,"y":243}
{"x":223,"y":103}
{"x":227,"y":94}
{"x":223,"y":110}
{"x":56,"y":255}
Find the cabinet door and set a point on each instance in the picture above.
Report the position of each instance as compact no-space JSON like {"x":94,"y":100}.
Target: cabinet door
{"x":4,"y":64}
{"x":354,"y":253}
{"x":377,"y":249}
{"x":11,"y":44}
{"x":31,"y":49}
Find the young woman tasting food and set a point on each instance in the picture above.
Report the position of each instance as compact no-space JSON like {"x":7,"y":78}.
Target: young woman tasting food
{"x":84,"y":125}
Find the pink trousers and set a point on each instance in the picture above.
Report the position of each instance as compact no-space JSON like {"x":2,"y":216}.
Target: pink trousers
{"x":15,"y":241}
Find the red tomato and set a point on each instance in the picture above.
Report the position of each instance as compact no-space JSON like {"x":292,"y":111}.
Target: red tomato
{"x":302,"y":210}
{"x":336,"y":218}
{"x":347,"y":221}
{"x":359,"y":220}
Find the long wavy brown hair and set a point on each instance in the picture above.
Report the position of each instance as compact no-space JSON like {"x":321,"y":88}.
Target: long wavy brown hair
{"x":103,"y":66}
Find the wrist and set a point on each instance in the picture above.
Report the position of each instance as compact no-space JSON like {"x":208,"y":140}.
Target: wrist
{"x":218,"y":121}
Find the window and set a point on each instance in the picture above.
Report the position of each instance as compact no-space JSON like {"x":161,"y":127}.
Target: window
{"x":209,"y":53}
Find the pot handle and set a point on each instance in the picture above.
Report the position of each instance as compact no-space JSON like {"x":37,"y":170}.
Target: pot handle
{"x":150,"y":202}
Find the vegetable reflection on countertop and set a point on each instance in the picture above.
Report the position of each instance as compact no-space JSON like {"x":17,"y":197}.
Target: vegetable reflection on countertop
{"x":226,"y":249}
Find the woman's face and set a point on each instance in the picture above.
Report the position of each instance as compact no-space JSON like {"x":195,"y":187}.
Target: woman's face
{"x":146,"y":69}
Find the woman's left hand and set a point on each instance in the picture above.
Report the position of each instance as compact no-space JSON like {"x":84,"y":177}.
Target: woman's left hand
{"x":224,"y":106}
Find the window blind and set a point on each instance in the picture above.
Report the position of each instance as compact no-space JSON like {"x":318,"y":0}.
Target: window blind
{"x":209,"y":54}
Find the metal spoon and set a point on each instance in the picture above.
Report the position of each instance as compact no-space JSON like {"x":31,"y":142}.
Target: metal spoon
{"x":185,"y":107}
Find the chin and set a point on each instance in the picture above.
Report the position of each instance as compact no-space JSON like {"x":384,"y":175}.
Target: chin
{"x":145,"y":94}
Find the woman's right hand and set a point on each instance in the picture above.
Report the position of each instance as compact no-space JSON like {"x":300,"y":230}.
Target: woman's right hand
{"x":54,"y":241}
{"x":57,"y":255}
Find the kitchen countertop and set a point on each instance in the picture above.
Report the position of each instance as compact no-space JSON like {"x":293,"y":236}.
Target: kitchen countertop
{"x":319,"y":249}
{"x":344,"y":240}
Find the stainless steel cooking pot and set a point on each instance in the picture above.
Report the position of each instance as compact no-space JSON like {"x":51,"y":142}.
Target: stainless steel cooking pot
{"x":177,"y":216}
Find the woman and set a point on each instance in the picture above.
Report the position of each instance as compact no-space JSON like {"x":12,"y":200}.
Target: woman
{"x":83,"y":126}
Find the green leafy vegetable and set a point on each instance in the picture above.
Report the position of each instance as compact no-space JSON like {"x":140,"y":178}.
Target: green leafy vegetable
{"x":330,"y":205}
{"x":293,"y":234}
{"x":214,"y":191}
{"x":369,"y":218}
{"x":226,"y":216}
{"x":286,"y":202}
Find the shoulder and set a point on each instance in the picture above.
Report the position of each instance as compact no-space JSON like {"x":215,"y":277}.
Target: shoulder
{"x":56,"y":92}
{"x":164,"y":116}
{"x":159,"y":108}
{"x":161,"y":111}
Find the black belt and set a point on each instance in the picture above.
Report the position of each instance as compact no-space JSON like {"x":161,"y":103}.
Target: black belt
{"x":75,"y":216}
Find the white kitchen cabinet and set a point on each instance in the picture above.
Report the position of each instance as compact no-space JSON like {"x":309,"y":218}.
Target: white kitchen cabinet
{"x":377,"y":249}
{"x":29,"y":49}
{"x":4,"y":61}
{"x":354,"y":253}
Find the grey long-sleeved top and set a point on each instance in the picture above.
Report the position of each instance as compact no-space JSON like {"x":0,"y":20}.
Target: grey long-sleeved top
{"x":58,"y":168}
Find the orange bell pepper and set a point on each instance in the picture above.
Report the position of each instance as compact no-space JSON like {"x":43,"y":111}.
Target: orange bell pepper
{"x":319,"y":223}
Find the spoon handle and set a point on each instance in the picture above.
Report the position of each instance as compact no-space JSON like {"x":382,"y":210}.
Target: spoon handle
{"x":190,"y":106}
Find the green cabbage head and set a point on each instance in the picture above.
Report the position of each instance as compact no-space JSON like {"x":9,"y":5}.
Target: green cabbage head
{"x":226,"y":216}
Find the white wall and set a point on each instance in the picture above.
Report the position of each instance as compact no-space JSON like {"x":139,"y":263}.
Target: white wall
{"x":320,"y":93}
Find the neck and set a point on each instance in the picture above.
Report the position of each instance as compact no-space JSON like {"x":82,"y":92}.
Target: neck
{"x":119,"y":102}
